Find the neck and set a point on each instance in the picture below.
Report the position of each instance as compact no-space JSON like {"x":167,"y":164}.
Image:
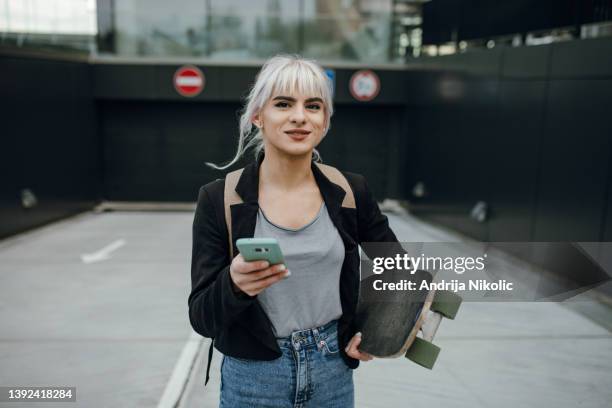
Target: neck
{"x":285,"y":172}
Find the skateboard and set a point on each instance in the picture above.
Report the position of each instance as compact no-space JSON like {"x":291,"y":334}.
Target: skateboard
{"x":396,"y":323}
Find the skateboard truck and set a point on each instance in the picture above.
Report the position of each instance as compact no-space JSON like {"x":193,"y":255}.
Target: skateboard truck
{"x":405,"y":323}
{"x":422,"y":351}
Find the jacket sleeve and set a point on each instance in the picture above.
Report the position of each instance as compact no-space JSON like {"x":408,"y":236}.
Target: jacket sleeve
{"x":213,"y":304}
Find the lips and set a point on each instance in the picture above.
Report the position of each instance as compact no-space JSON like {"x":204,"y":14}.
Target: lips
{"x":298,"y":134}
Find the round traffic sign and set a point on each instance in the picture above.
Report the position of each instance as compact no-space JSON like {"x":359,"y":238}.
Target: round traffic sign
{"x":364,"y":85}
{"x":189,"y":81}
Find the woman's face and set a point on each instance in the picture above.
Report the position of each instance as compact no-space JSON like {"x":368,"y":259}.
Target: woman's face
{"x":292,"y":124}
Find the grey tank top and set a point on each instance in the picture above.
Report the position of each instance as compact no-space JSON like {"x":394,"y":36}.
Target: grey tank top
{"x":310,"y":296}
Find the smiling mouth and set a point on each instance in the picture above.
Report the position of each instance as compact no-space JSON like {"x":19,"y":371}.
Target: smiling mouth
{"x":298,"y":135}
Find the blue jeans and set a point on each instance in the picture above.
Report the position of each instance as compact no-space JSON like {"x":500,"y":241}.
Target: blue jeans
{"x":310,"y":373}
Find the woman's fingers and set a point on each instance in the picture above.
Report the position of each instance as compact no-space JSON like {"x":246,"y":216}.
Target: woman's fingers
{"x":352,"y":349}
{"x":260,"y":284}
{"x":239,"y":265}
{"x":253,"y":277}
{"x":350,"y":343}
{"x":261,"y":275}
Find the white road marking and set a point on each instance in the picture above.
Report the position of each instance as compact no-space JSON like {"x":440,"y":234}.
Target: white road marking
{"x":104,"y":253}
{"x":178,"y":380}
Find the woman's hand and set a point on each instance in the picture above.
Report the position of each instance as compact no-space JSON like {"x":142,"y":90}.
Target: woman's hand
{"x":353,"y":351}
{"x":253,"y":277}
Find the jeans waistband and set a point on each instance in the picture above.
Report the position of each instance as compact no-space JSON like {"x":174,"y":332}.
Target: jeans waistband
{"x":309,"y":336}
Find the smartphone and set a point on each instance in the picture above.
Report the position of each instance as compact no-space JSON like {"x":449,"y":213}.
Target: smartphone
{"x":259,"y":249}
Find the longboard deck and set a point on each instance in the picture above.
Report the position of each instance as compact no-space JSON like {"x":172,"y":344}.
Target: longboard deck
{"x":390,"y":321}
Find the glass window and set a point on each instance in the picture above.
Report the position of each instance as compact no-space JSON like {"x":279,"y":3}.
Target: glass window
{"x":48,"y":16}
{"x":57,"y":23}
{"x":355,"y":30}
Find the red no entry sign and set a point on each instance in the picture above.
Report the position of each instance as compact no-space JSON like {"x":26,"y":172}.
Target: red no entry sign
{"x":364,"y":85}
{"x":189,"y":81}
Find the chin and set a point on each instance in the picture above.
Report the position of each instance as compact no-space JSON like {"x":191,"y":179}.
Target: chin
{"x":293,"y":147}
{"x":296,"y":150}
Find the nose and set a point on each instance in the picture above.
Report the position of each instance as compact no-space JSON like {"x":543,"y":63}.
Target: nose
{"x":297,"y":114}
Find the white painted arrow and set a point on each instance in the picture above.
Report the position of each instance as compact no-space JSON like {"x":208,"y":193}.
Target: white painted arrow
{"x":104,"y":253}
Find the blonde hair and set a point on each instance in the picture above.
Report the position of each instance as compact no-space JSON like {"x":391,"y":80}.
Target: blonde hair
{"x":284,"y":74}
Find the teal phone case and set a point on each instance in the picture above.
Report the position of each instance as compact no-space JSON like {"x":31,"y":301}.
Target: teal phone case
{"x":257,"y":249}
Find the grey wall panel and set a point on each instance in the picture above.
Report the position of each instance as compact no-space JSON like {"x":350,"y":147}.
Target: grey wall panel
{"x":607,"y":222}
{"x":422,"y":87}
{"x":515,"y":153}
{"x":582,"y":59}
{"x":157,"y":151}
{"x":434,"y":156}
{"x":359,"y":142}
{"x":526,"y":62}
{"x":235,"y":82}
{"x":454,"y":150}
{"x":544,"y":168}
{"x":575,"y":153}
{"x":449,"y":89}
{"x":397,"y":148}
{"x":124,"y":81}
{"x":457,"y":104}
{"x":482,"y":63}
{"x":51,"y":145}
{"x":442,"y":159}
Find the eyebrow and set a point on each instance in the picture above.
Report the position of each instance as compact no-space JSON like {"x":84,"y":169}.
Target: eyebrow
{"x":290,"y":99}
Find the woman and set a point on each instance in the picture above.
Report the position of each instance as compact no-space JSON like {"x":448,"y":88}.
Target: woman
{"x":288,"y":331}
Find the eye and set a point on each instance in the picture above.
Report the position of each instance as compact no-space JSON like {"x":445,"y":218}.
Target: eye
{"x":314,"y":106}
{"x":281,"y":104}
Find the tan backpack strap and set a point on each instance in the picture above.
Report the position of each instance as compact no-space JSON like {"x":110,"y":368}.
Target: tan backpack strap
{"x":231,"y":197}
{"x":335,"y":176}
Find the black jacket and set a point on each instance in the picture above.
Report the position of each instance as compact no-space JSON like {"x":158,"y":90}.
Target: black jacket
{"x":238,"y":324}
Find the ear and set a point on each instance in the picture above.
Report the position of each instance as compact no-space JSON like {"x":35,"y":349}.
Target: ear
{"x":256,"y":120}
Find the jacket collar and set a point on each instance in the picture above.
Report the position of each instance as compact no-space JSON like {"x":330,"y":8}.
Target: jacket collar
{"x":248,"y":186}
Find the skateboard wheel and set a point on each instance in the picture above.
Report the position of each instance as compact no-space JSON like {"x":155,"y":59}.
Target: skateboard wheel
{"x":446,"y":303}
{"x":423,"y":353}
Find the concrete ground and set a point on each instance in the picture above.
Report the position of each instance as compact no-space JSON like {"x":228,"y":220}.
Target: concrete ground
{"x":99,"y":302}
